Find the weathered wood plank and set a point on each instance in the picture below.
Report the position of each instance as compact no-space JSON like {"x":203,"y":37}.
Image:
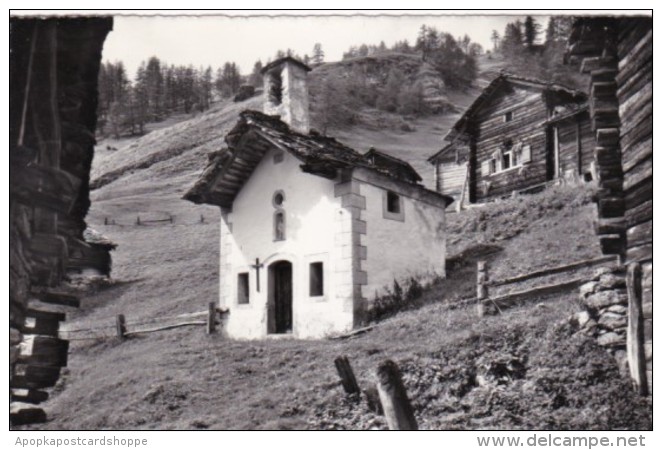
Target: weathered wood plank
{"x":639,"y":214}
{"x":34,"y":377}
{"x":393,"y":396}
{"x":610,"y":207}
{"x":641,"y":253}
{"x":507,"y":300}
{"x":28,"y":396}
{"x":553,"y":270}
{"x":55,"y":297}
{"x":640,"y":234}
{"x":44,"y":351}
{"x":27,"y":416}
{"x":612,"y":244}
{"x":346,"y":375}
{"x":635,"y":335}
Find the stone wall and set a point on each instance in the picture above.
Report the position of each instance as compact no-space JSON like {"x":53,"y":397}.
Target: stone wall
{"x":605,"y":311}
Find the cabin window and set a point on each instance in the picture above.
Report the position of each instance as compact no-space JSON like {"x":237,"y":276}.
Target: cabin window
{"x":279,"y":225}
{"x":508,"y":116}
{"x":392,"y":202}
{"x":507,"y":160}
{"x":242,"y":289}
{"x":492,"y":166}
{"x":316,"y":279}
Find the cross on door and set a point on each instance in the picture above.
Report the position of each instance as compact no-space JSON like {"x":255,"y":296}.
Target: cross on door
{"x":257,"y":266}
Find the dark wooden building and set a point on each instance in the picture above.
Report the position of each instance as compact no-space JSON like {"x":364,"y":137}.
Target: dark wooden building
{"x":53,"y":69}
{"x":617,"y":53}
{"x":518,"y":135}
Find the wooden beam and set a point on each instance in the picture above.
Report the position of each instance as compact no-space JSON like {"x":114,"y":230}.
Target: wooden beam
{"x":34,"y":377}
{"x":55,"y":297}
{"x":553,"y":270}
{"x":393,"y":396}
{"x":26,"y":416}
{"x":507,"y":300}
{"x":635,"y":330}
{"x":45,"y":351}
{"x":28,"y":396}
{"x":346,"y":375}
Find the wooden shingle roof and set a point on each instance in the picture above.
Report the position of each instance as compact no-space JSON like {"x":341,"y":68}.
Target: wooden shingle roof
{"x":499,"y":81}
{"x":256,"y":133}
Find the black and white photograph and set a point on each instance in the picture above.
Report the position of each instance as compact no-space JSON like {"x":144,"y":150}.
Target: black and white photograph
{"x":332,"y":220}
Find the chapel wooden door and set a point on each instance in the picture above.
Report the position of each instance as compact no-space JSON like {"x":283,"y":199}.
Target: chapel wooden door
{"x":282,"y":296}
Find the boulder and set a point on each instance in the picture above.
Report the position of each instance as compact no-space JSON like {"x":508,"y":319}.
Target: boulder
{"x":581,"y":318}
{"x":601,"y":271}
{"x":604,"y":299}
{"x":587,"y":288}
{"x":611,"y":281}
{"x":611,"y":340}
{"x":618,"y":309}
{"x":612,"y":321}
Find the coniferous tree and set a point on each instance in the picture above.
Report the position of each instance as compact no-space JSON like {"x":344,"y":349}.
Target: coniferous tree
{"x":255,"y":78}
{"x":318,"y":54}
{"x":531,"y":31}
{"x":495,"y":38}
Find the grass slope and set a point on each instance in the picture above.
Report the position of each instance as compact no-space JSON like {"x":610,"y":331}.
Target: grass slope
{"x":524,"y":369}
{"x":513,"y":371}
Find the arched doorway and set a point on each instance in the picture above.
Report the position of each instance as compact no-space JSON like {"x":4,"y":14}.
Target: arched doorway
{"x":280,"y":298}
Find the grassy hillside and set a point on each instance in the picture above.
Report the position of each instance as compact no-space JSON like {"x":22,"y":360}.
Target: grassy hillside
{"x":525,"y":369}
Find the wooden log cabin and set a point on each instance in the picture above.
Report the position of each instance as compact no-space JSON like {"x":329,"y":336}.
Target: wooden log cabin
{"x":617,"y":53}
{"x":54,"y":65}
{"x":518,"y":135}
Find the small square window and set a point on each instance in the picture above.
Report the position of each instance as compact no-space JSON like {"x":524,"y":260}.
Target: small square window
{"x":392,"y":202}
{"x":507,"y":161}
{"x":508,"y":116}
{"x":242,"y":289}
{"x":316,"y":279}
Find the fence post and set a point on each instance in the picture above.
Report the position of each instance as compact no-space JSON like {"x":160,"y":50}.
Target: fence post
{"x":105,"y":220}
{"x":481,"y":286}
{"x":393,"y":396}
{"x":211,"y":318}
{"x":202,"y":218}
{"x":346,"y":374}
{"x":137,"y":220}
{"x":121,"y":326}
{"x":635,"y":331}
{"x":171,"y":219}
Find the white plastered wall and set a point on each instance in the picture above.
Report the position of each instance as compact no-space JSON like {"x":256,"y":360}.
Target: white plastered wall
{"x":315,"y":226}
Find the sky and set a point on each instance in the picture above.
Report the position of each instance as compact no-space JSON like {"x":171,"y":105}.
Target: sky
{"x":214,"y":40}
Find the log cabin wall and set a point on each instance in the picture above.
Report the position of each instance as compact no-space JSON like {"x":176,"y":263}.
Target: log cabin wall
{"x":450,"y":169}
{"x":635,"y":99}
{"x":576,"y":146}
{"x":529,"y":111}
{"x":618,"y":54}
{"x":54,"y":65}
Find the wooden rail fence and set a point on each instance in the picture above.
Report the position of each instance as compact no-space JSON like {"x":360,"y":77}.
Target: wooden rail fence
{"x":123,"y":328}
{"x":489,"y":304}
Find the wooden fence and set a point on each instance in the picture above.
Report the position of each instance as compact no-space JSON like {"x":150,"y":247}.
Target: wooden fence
{"x":123,"y":328}
{"x":490,"y":304}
